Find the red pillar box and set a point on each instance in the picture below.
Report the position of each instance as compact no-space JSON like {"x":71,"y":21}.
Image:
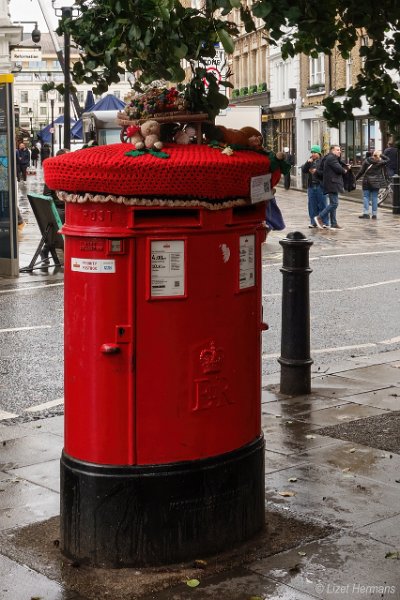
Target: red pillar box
{"x":164,"y":456}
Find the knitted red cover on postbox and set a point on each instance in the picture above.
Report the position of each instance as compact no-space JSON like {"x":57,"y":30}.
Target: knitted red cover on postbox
{"x":194,"y":171}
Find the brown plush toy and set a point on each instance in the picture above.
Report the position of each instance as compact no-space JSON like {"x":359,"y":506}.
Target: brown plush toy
{"x":150,"y":131}
{"x":247,"y":136}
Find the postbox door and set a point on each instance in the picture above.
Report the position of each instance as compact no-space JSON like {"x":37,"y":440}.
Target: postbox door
{"x":99,"y":390}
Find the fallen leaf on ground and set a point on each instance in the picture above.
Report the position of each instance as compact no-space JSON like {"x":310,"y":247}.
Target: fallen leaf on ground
{"x":310,"y":436}
{"x":301,"y":553}
{"x":286,"y":493}
{"x":346,"y":470}
{"x":394,"y":555}
{"x":193,"y":583}
{"x":292,"y":479}
{"x":351,"y":450}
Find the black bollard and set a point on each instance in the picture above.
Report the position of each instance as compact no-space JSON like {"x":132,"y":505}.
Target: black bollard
{"x":295,"y":357}
{"x":396,"y":194}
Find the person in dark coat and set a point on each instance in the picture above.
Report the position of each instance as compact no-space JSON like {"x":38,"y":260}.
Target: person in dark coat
{"x":373,"y":173}
{"x":34,"y":155}
{"x":287,"y":176}
{"x":391,"y":153}
{"x":316,"y":198}
{"x":45,"y":152}
{"x":331,"y":169}
{"x":23,"y":158}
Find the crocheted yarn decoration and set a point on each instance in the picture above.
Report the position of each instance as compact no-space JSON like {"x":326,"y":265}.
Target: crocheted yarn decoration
{"x":192,"y":171}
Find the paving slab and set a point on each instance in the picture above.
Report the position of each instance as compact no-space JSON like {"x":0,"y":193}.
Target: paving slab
{"x":45,"y":474}
{"x":341,"y":413}
{"x":30,"y":449}
{"x":330,"y":495}
{"x":386,"y":398}
{"x":355,"y":459}
{"x":386,"y":531}
{"x":340,"y":566}
{"x":296,"y":406}
{"x":18,"y":582}
{"x":23,"y":502}
{"x":290,"y":436}
{"x":377,"y":374}
{"x":342,"y":386}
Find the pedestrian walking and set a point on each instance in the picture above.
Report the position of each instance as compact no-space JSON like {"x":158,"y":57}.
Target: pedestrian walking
{"x":290,"y":159}
{"x":374,"y":176}
{"x":34,"y":155}
{"x":331,"y":169}
{"x":391,"y":153}
{"x":317,"y":200}
{"x":45,"y":152}
{"x":23,"y":158}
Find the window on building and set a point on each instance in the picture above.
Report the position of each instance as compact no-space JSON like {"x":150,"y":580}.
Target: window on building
{"x":43,"y":111}
{"x":56,"y":66}
{"x":117,"y":94}
{"x":23,"y":110}
{"x":37,"y":65}
{"x":282,"y":81}
{"x":364,"y":41}
{"x":349,"y":72}
{"x":24,"y":97}
{"x":317,"y":70}
{"x":42,"y":96}
{"x":60,"y":110}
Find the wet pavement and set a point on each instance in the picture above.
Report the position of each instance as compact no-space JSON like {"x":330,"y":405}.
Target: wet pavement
{"x":315,"y":479}
{"x":345,"y":492}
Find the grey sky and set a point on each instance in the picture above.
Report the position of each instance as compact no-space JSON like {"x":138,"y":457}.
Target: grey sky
{"x":28,"y":10}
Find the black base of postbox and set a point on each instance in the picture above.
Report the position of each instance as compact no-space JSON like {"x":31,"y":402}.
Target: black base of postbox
{"x":161,"y":514}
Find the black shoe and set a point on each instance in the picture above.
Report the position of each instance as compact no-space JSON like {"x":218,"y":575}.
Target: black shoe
{"x":364,"y":216}
{"x":373,"y":216}
{"x":337,"y":226}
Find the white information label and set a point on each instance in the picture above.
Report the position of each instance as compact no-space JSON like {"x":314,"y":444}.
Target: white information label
{"x":247,"y":262}
{"x":92,"y":265}
{"x":261,"y":188}
{"x":167,"y":268}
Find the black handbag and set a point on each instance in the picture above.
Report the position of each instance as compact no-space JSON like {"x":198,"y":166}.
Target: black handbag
{"x":349,"y":181}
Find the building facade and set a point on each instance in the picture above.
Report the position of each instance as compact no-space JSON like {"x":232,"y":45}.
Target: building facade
{"x":32,"y":104}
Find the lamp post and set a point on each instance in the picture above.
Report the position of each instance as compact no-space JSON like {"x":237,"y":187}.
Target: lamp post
{"x":30,"y":115}
{"x":66,"y":12}
{"x":52,"y":94}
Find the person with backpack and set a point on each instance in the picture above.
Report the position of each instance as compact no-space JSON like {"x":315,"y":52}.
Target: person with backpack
{"x":331,"y":169}
{"x":374,"y":177}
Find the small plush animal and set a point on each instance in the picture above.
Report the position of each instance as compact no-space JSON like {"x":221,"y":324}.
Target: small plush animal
{"x":247,"y":136}
{"x":146,"y":135}
{"x":150,"y":131}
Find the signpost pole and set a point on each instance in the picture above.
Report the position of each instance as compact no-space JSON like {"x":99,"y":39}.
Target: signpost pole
{"x":8,"y":187}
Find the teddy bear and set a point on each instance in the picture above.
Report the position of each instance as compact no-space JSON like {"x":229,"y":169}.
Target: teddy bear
{"x":150,"y":131}
{"x":146,"y":135}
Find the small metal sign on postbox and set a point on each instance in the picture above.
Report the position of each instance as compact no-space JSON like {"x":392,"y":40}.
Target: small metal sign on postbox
{"x":167,"y":262}
{"x":247,"y":262}
{"x":261,"y":188}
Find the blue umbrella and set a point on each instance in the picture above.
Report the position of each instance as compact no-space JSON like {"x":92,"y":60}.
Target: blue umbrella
{"x":109,"y":102}
{"x":89,"y":102}
{"x":45,"y":133}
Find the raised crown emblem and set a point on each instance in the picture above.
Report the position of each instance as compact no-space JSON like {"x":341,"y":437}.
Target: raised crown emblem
{"x":211,"y":358}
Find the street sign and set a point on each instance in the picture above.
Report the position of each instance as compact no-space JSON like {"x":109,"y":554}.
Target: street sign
{"x":26,"y":53}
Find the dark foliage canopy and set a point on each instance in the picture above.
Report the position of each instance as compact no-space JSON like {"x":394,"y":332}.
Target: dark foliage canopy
{"x":153,"y":36}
